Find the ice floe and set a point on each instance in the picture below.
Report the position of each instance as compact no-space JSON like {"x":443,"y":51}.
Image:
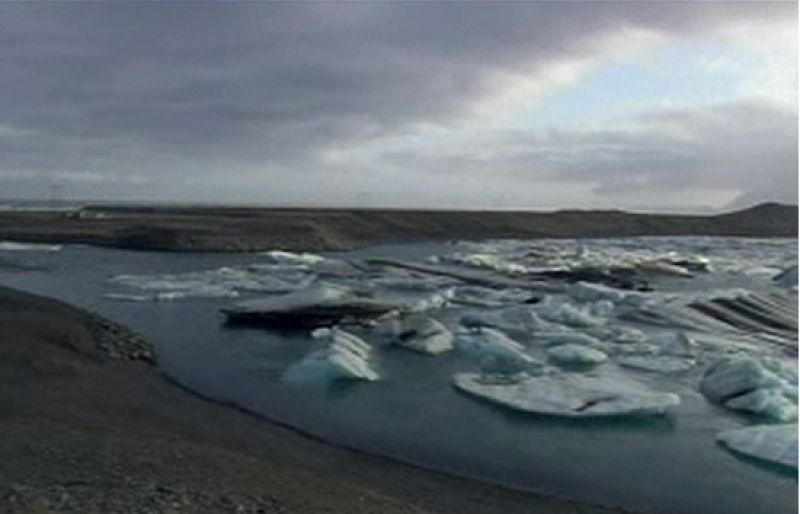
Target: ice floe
{"x":744,"y":384}
{"x":13,"y":246}
{"x":568,"y":394}
{"x":419,"y":333}
{"x":489,"y":342}
{"x":771,"y":443}
{"x":344,"y":356}
{"x":576,"y":354}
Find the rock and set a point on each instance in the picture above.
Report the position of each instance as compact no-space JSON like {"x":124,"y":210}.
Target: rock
{"x":576,"y":354}
{"x":568,"y":394}
{"x":771,"y":443}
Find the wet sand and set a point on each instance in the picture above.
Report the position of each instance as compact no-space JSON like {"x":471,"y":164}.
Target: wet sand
{"x":251,"y":229}
{"x":87,"y":433}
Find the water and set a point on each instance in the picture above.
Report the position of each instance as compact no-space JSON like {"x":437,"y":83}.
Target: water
{"x":668,"y":464}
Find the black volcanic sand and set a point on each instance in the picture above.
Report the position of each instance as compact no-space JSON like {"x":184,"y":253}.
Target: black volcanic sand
{"x":250,"y":229}
{"x":83,"y":432}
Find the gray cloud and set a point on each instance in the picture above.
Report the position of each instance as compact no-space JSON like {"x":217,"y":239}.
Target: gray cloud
{"x":166,"y":100}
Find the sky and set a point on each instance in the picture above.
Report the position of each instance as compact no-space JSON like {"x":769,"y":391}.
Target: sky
{"x":643,"y":105}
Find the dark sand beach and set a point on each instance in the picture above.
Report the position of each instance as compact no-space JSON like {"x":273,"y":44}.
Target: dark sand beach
{"x":250,"y":229}
{"x":87,"y":433}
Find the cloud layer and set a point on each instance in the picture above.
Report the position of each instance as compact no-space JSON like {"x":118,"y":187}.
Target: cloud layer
{"x":401,"y":104}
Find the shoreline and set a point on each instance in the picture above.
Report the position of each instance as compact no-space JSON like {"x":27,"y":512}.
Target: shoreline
{"x":231,"y":229}
{"x":97,"y":414}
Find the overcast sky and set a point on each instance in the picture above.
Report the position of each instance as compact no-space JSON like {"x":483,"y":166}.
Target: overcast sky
{"x":541,"y":105}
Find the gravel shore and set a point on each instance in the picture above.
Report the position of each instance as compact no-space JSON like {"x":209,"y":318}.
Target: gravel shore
{"x":89,"y":426}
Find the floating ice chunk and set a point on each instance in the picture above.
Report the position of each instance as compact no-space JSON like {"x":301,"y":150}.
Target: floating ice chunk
{"x":787,"y":277}
{"x":419,"y":333}
{"x":122,"y":297}
{"x":486,"y":297}
{"x":576,"y":354}
{"x":591,"y":292}
{"x":772,"y":443}
{"x":729,"y":377}
{"x":657,"y":363}
{"x":566,"y":337}
{"x":660,"y":267}
{"x":282,"y":257}
{"x":768,"y":402}
{"x":318,"y":305}
{"x":617,"y":333}
{"x":346,"y":357}
{"x":675,"y":343}
{"x":486,"y":341}
{"x":13,"y":246}
{"x":742,"y":383}
{"x":568,"y":314}
{"x":569,"y":394}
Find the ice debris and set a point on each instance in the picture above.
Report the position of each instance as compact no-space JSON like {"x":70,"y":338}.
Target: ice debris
{"x":772,"y":443}
{"x":576,"y":355}
{"x":419,"y":333}
{"x":489,"y":342}
{"x":345,"y":356}
{"x":744,"y":384}
{"x":568,"y":394}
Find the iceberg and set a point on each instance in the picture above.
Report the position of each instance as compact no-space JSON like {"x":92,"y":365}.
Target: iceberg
{"x":568,"y":394}
{"x":576,"y":354}
{"x":13,"y":246}
{"x":771,"y":443}
{"x":281,"y":257}
{"x":319,"y":305}
{"x":419,"y":333}
{"x":656,"y":363}
{"x":489,"y":342}
{"x":345,"y":357}
{"x":744,"y":384}
{"x":568,"y":314}
{"x":787,"y":277}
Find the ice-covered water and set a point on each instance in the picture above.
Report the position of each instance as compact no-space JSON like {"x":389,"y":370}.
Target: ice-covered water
{"x":598,"y":347}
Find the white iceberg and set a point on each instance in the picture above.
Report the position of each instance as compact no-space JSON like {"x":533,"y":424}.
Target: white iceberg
{"x":281,"y":257}
{"x":568,"y":314}
{"x":568,"y":394}
{"x":772,"y":443}
{"x":744,"y":384}
{"x":484,"y":341}
{"x":657,"y":363}
{"x":13,"y":246}
{"x":345,"y":357}
{"x":419,"y":333}
{"x":576,"y":354}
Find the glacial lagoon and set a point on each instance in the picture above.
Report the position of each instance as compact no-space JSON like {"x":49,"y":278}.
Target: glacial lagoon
{"x":656,"y":374}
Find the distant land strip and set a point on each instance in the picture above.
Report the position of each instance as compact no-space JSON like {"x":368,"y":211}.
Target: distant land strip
{"x":239,"y":229}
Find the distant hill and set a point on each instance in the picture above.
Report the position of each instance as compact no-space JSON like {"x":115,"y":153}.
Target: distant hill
{"x":251,"y":229}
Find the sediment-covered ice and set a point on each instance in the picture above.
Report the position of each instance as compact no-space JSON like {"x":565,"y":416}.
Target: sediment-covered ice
{"x":576,"y":354}
{"x":772,"y":443}
{"x":345,"y":356}
{"x":419,"y":333}
{"x":744,"y":384}
{"x":568,"y":394}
